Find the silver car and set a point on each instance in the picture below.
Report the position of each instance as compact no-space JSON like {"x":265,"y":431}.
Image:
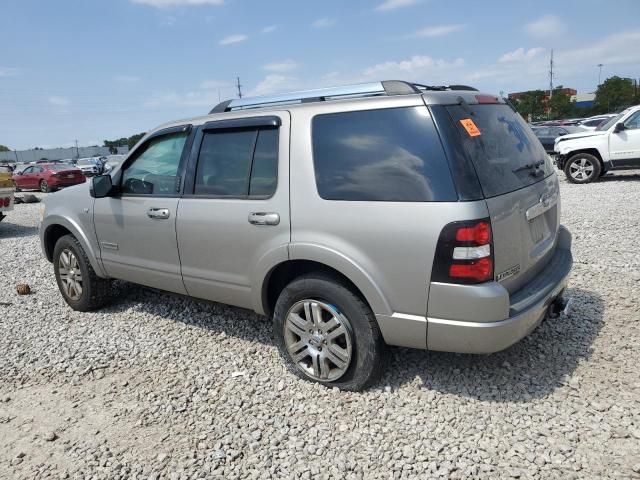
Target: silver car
{"x":356,"y":217}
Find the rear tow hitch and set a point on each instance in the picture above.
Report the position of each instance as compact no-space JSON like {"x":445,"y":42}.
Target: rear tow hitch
{"x":560,"y":305}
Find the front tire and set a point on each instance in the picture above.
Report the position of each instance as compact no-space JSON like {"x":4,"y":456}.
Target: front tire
{"x":582,"y":168}
{"x":326,"y":333}
{"x":44,"y":186}
{"x":81,"y":287}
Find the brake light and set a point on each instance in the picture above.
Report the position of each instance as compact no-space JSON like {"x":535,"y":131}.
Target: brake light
{"x":480,"y":233}
{"x":486,"y":99}
{"x":6,"y":202}
{"x":464,"y":253}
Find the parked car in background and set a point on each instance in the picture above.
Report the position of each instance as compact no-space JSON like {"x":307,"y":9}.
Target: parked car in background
{"x":440,"y":230}
{"x":613,"y":145}
{"x":548,"y":135}
{"x":592,"y":123}
{"x":48,"y":177}
{"x":6,"y":191}
{"x":89,"y":166}
{"x":112,"y":161}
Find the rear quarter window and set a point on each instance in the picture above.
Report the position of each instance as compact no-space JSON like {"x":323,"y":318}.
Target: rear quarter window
{"x":390,"y":155}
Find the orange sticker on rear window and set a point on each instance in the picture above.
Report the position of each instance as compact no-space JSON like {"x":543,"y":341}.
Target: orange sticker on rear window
{"x":470,"y":127}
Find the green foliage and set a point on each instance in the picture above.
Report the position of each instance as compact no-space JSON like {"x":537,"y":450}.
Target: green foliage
{"x":531,"y":104}
{"x":561,"y":105}
{"x":4,"y":148}
{"x":614,"y":94}
{"x":130,"y":142}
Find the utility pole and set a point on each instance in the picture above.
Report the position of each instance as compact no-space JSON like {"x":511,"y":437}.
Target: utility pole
{"x":77,"y":151}
{"x":239,"y":88}
{"x":550,"y":84}
{"x":600,"y":65}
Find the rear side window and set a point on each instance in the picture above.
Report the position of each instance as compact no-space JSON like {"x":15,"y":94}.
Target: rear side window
{"x":238,"y":163}
{"x":390,"y":155}
{"x":506,"y":154}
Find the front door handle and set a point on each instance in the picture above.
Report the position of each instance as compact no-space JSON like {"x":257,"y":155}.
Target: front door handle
{"x":264,"y":218}
{"x":158,"y":213}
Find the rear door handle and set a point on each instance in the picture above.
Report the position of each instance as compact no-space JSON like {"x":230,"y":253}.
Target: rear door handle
{"x":264,"y":218}
{"x":158,"y":213}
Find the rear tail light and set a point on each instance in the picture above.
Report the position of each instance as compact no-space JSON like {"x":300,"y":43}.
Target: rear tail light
{"x":464,"y":253}
{"x":6,"y":201}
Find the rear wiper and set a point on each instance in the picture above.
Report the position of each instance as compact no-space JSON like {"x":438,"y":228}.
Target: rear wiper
{"x":529,"y":166}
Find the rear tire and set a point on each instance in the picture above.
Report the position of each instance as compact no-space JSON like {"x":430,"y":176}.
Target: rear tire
{"x":344,"y":349}
{"x":582,"y":168}
{"x":44,"y":186}
{"x":81,"y":287}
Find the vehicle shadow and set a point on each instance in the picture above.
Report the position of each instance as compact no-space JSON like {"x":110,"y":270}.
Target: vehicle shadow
{"x":13,"y":230}
{"x":620,"y":176}
{"x":532,"y":368}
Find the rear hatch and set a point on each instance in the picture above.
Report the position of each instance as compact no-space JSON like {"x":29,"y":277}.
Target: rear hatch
{"x":66,"y":172}
{"x":519,"y":186}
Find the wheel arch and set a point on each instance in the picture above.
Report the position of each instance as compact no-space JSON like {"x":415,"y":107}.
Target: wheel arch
{"x":56,"y":228}
{"x":333,"y":263}
{"x":591,"y":151}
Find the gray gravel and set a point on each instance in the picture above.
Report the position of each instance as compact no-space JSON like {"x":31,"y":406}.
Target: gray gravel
{"x":159,"y":386}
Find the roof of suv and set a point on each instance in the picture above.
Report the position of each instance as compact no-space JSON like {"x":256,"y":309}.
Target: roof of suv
{"x":387,"y":89}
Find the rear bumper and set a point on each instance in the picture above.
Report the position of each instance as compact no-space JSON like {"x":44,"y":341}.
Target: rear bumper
{"x":527,"y":309}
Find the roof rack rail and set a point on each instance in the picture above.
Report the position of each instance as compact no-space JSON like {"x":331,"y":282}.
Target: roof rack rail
{"x":386,"y":87}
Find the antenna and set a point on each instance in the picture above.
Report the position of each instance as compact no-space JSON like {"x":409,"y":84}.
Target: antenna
{"x":239,"y":88}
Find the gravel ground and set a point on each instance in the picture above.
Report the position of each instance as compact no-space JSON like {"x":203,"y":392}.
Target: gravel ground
{"x":159,"y":386}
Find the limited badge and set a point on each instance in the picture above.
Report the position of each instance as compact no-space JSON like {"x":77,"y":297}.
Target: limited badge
{"x":508,"y":273}
{"x":470,"y":127}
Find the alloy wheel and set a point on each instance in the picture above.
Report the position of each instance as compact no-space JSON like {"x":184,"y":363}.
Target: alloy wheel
{"x":318,"y":339}
{"x":581,"y":169}
{"x":70,"y":274}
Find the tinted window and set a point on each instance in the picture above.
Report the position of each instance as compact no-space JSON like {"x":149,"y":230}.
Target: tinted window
{"x":238,"y":163}
{"x":264,"y":172}
{"x":28,"y":170}
{"x":224,"y":163}
{"x":380,"y":155}
{"x":502,"y":149}
{"x":155,"y":170}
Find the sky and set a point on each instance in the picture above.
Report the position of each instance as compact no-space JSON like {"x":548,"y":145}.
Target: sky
{"x":91,"y":70}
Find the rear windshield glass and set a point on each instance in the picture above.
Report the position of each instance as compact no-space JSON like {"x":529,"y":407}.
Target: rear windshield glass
{"x":392,"y":155}
{"x":506,"y":154}
{"x":59,"y":166}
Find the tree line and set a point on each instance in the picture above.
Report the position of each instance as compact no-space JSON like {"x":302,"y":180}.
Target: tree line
{"x":121,"y":142}
{"x":613,"y":95}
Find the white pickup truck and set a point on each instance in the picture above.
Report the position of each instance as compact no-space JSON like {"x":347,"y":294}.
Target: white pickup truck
{"x":614,"y":145}
{"x":6,"y":191}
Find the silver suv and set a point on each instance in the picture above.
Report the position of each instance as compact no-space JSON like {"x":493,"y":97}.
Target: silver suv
{"x":356,"y":217}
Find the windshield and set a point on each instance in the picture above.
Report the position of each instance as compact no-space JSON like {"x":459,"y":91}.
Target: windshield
{"x":605,"y":125}
{"x":506,"y":154}
{"x":59,"y":166}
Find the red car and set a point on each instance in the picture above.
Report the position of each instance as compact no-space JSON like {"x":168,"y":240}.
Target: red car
{"x":48,"y":177}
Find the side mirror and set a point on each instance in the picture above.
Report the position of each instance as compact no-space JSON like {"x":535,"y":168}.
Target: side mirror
{"x":101,"y":186}
{"x":619,"y":127}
